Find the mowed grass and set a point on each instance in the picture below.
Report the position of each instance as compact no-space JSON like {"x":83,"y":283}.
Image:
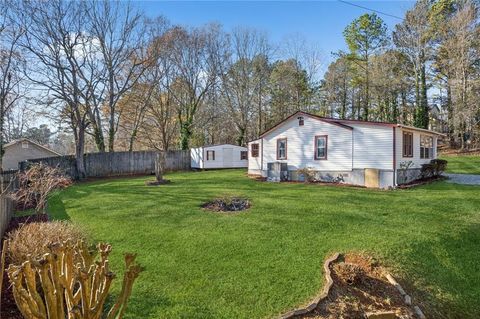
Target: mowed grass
{"x":463,"y":164}
{"x":262,"y":262}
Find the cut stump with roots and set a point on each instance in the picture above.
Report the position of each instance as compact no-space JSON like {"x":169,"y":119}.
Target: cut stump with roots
{"x":227,"y":204}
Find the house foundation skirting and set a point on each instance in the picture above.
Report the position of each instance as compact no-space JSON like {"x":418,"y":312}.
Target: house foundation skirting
{"x":353,"y":177}
{"x":405,"y":176}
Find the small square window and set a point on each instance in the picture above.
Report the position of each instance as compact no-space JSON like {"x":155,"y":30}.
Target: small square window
{"x":210,"y":155}
{"x":243,"y":155}
{"x":24,"y":144}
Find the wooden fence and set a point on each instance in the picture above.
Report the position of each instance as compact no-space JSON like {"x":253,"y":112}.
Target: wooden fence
{"x":117,"y":163}
{"x":7,"y":207}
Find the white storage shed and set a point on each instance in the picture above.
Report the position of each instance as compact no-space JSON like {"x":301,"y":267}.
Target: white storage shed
{"x":219,"y":156}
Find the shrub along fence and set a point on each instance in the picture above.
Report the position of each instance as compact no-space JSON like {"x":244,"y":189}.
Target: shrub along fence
{"x":117,"y":163}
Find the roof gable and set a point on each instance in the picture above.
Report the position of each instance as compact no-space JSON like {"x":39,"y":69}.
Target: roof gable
{"x":21,"y":140}
{"x":312,"y":116}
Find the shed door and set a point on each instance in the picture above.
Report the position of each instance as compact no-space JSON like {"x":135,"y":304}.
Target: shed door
{"x":228,"y":157}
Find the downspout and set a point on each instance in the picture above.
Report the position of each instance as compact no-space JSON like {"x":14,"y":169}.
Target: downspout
{"x":394,"y":159}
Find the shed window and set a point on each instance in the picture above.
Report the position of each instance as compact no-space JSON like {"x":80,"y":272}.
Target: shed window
{"x":243,"y":155}
{"x":407,"y":144}
{"x":426,"y":146}
{"x":24,"y":144}
{"x":281,"y":148}
{"x":255,"y":149}
{"x":210,"y":155}
{"x":321,"y":147}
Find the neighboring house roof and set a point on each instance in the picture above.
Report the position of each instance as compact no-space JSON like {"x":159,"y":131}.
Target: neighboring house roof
{"x":344,"y":123}
{"x":30,"y":141}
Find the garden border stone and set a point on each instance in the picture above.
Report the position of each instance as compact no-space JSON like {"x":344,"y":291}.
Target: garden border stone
{"x":328,"y":285}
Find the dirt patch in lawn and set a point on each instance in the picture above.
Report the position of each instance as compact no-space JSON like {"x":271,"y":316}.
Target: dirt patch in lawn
{"x":360,"y":288}
{"x":228,"y":204}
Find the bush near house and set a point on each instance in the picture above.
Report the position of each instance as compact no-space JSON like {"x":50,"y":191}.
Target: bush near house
{"x":435,"y":168}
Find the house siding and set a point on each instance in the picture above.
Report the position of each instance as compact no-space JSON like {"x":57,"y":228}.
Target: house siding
{"x":255,"y":163}
{"x":373,"y":146}
{"x":300,"y":145}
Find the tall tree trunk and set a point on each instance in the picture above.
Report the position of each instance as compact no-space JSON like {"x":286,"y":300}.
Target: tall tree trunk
{"x":79,"y":152}
{"x":450,"y":124}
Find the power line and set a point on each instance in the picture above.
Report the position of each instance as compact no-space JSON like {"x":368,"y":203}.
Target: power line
{"x":373,"y":10}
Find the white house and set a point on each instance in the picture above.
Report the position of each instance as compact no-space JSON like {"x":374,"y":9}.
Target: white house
{"x":219,"y":156}
{"x":348,"y":151}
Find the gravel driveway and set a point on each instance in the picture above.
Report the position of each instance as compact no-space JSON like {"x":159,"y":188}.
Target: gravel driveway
{"x":466,"y":179}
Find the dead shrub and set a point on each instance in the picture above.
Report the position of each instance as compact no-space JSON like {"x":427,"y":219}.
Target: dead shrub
{"x":32,"y":241}
{"x":350,"y":274}
{"x":37,"y":183}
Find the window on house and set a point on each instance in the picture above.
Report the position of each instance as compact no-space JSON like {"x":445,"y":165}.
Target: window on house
{"x":255,"y":149}
{"x":321,"y":147}
{"x":243,"y":155}
{"x":426,"y":146}
{"x":24,"y":144}
{"x":407,"y":144}
{"x":281,"y":148}
{"x":210,"y":155}
{"x":300,"y":121}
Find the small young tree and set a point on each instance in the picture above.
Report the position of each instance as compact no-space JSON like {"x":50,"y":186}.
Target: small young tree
{"x":37,"y":183}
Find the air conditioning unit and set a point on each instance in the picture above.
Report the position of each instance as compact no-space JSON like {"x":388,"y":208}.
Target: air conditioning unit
{"x":277,"y":171}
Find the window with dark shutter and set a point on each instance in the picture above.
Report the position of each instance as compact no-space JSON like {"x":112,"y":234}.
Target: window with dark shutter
{"x":254,"y":149}
{"x":407,"y":144}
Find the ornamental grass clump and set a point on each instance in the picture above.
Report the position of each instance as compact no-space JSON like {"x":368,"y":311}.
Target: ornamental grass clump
{"x":33,"y":239}
{"x":70,"y":281}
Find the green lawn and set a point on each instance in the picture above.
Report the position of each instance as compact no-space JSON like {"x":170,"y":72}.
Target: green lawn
{"x":259,"y":263}
{"x":463,"y":164}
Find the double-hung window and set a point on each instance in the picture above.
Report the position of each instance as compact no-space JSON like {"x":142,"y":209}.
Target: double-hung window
{"x":321,"y":143}
{"x":281,"y":149}
{"x":407,"y":144}
{"x":426,"y":146}
{"x":254,"y":149}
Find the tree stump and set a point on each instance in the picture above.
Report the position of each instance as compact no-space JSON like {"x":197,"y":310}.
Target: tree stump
{"x":160,"y":164}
